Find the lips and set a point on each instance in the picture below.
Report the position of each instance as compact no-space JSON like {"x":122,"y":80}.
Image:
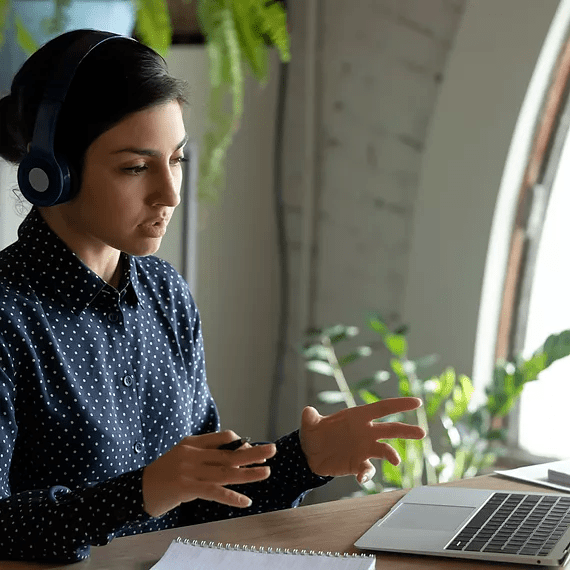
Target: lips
{"x":156,"y":222}
{"x":154,"y":227}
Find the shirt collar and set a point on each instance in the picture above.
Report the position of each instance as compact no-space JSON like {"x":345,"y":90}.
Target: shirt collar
{"x":53,"y":265}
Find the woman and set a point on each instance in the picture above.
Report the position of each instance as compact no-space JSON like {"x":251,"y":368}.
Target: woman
{"x":107,"y":426}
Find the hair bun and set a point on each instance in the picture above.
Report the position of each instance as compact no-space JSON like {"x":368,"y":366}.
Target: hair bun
{"x":12,"y":145}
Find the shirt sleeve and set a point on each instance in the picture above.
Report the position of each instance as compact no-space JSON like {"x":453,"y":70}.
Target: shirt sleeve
{"x":58,"y":524}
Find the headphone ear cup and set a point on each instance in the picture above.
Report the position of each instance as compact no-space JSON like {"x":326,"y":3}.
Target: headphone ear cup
{"x":69,"y":179}
{"x":72,"y":180}
{"x":44,"y":181}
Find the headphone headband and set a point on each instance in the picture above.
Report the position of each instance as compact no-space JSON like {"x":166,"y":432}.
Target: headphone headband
{"x":44,"y":179}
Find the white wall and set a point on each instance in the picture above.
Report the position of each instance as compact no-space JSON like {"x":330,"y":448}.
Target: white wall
{"x":10,"y":218}
{"x":236,"y":289}
{"x":486,"y":80}
{"x":378,"y":68}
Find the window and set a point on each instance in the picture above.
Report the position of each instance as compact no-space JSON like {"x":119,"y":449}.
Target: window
{"x":543,"y":413}
{"x":536,"y":301}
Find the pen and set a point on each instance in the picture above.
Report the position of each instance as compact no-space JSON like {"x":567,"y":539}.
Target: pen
{"x":235,"y":444}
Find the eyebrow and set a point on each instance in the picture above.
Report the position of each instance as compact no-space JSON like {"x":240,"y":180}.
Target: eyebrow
{"x":149,"y":151}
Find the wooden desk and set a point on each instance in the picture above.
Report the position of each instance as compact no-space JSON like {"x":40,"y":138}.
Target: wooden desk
{"x":333,"y":526}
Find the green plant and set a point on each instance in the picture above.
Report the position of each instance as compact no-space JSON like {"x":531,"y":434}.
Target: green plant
{"x":238,"y":34}
{"x":464,"y":437}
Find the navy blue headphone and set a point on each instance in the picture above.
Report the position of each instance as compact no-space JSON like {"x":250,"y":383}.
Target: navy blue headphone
{"x":44,"y":178}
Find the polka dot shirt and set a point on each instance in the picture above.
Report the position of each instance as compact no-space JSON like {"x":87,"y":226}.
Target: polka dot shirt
{"x":96,"y":383}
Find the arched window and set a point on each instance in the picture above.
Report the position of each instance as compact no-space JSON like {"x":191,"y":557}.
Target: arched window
{"x":536,"y":298}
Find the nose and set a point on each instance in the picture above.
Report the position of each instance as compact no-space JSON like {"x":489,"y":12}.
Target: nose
{"x":168,"y":189}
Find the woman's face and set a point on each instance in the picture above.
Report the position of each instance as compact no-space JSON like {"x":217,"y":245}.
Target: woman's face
{"x":131,"y":183}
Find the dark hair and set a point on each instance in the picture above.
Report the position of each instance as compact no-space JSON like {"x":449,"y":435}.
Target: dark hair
{"x":116,"y":79}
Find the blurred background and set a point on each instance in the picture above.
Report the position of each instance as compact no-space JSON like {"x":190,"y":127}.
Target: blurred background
{"x":400,"y":150}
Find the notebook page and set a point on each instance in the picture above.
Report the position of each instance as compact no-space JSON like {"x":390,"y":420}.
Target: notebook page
{"x":186,"y":556}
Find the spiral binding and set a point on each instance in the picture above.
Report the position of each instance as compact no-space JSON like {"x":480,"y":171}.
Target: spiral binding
{"x":269,"y":549}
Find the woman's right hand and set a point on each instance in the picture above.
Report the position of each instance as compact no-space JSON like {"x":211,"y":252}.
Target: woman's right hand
{"x":196,"y":469}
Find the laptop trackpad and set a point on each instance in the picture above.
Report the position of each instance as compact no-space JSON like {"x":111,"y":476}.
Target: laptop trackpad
{"x":427,"y":517}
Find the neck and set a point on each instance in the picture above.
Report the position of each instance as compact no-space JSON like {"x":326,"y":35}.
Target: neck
{"x":101,"y":258}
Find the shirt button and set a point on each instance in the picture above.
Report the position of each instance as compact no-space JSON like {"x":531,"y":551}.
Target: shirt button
{"x":139,"y":445}
{"x":113,"y":317}
{"x":128,"y":380}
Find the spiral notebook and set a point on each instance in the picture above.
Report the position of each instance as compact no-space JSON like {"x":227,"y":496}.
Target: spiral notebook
{"x":194,"y":555}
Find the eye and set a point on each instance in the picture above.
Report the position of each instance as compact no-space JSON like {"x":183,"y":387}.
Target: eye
{"x":138,"y":169}
{"x":179,"y":160}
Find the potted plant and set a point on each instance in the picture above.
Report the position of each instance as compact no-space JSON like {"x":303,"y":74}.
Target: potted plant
{"x":464,"y":438}
{"x":238,"y":34}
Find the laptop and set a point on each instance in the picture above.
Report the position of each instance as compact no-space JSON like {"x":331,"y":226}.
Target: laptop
{"x":499,"y":526}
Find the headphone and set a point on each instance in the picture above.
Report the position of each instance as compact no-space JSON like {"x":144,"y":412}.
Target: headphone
{"x":44,"y":178}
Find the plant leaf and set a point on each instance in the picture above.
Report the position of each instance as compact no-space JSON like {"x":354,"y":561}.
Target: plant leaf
{"x":461,"y":464}
{"x":226,"y":77}
{"x":391,"y":474}
{"x":331,"y":397}
{"x":377,"y":324}
{"x":368,"y":397}
{"x":340,"y":332}
{"x":4,"y":9}
{"x":532,"y":367}
{"x":153,"y":25}
{"x":379,"y":377}
{"x":412,"y":463}
{"x":24,"y":38}
{"x":404,"y":382}
{"x":396,"y":344}
{"x":398,"y":368}
{"x":315,"y":352}
{"x":360,"y":352}
{"x":320,"y":367}
{"x":498,"y":403}
{"x":557,"y":346}
{"x":250,"y":40}
{"x":443,"y":387}
{"x":461,"y":398}
{"x":272,"y":23}
{"x":426,"y":361}
{"x":334,"y":333}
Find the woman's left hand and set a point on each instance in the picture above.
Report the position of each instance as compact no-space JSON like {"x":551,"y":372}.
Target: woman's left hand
{"x":344,"y":442}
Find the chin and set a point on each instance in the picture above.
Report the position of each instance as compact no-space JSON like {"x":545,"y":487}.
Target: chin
{"x":142,"y":250}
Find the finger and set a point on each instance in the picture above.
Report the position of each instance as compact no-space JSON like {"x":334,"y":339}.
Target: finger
{"x":397,"y":430}
{"x":212,"y":492}
{"x":223,"y":475}
{"x":253,"y":454}
{"x":210,"y":440}
{"x":365,"y":472}
{"x":310,"y":417}
{"x":387,"y":407}
{"x":387,"y":452}
{"x":247,"y":445}
{"x":238,"y":458}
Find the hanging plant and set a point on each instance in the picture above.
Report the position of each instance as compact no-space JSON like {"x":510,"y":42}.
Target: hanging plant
{"x":237,"y":32}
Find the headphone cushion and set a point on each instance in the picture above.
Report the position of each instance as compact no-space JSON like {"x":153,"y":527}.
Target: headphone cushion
{"x":43,"y":180}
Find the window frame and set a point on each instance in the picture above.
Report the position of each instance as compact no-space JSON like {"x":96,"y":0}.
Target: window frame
{"x":551,"y":132}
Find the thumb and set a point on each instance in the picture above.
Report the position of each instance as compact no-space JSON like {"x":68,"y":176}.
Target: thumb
{"x":310,"y":417}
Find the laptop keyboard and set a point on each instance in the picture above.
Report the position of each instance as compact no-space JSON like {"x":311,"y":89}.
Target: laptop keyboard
{"x":515,"y":523}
